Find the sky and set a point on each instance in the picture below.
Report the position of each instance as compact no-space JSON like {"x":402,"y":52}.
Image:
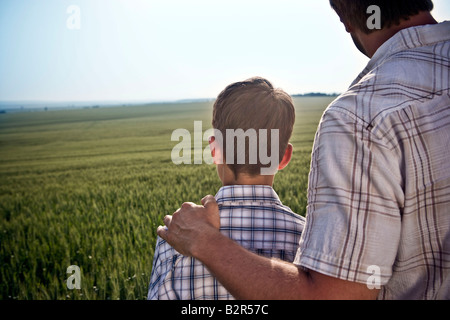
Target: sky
{"x":166,"y":50}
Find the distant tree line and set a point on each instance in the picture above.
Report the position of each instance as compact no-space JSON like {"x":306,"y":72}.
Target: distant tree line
{"x":316,"y":94}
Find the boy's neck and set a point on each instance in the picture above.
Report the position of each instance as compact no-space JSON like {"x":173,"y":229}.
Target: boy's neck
{"x":228,"y":179}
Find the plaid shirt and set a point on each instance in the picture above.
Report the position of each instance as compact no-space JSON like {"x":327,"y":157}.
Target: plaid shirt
{"x":379,"y":185}
{"x":254,"y":217}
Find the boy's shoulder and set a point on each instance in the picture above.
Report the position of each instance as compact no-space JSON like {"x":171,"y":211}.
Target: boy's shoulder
{"x":237,"y":197}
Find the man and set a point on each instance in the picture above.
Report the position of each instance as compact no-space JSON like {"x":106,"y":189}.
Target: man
{"x":377,"y":220}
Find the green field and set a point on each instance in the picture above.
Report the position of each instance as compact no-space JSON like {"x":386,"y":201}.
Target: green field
{"x":89,"y":187}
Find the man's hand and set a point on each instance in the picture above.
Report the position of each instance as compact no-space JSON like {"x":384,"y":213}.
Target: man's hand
{"x":190,"y":225}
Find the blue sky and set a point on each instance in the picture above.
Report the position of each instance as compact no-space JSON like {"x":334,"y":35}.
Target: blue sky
{"x":152,"y":50}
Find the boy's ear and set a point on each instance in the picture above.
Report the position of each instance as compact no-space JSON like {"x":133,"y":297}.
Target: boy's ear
{"x":287,"y":157}
{"x":215,"y":150}
{"x":211,"y":141}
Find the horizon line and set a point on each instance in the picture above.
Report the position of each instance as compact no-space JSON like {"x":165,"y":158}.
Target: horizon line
{"x":135,"y":101}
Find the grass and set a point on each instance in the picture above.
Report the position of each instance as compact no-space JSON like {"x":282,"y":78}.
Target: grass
{"x":88,"y":187}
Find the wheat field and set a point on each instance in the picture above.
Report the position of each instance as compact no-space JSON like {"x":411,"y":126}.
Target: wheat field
{"x":88,"y":187}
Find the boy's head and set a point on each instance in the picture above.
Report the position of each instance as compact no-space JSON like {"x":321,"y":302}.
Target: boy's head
{"x":256,"y":108}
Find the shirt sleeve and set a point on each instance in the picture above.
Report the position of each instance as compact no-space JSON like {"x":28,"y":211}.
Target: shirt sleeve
{"x":355,"y":196}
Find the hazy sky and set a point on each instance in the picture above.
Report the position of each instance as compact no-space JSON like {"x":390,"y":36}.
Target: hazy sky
{"x":172,"y":49}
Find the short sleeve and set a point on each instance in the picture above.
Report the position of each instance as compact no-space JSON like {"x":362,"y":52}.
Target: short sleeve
{"x":355,"y":195}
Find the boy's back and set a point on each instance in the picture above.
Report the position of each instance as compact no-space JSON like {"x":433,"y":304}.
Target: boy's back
{"x":251,"y":215}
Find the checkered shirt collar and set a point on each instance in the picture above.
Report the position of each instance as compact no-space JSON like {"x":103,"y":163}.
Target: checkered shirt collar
{"x":251,"y":194}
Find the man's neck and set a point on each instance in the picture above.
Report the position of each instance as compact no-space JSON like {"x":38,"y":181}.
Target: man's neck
{"x":373,"y":41}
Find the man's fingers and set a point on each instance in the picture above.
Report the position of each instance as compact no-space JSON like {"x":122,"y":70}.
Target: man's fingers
{"x":167,"y":221}
{"x":162,"y":232}
{"x":210,"y":203}
{"x":184,"y":228}
{"x":212,"y":208}
{"x":207,"y":199}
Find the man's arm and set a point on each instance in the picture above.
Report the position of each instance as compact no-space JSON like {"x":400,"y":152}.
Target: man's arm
{"x":194,"y":231}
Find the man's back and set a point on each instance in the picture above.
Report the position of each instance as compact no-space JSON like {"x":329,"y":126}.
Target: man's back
{"x":381,"y":172}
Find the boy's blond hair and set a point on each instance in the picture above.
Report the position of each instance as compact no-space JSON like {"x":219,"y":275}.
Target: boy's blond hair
{"x":253,"y":104}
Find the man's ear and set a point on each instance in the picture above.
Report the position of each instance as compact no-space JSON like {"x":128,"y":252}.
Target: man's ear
{"x":287,"y":157}
{"x":348,"y":27}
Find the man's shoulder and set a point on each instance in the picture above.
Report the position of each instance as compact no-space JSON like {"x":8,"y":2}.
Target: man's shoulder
{"x":398,"y":76}
{"x":390,"y":87}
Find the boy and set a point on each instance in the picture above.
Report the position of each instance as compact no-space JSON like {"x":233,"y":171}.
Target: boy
{"x":250,"y":210}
